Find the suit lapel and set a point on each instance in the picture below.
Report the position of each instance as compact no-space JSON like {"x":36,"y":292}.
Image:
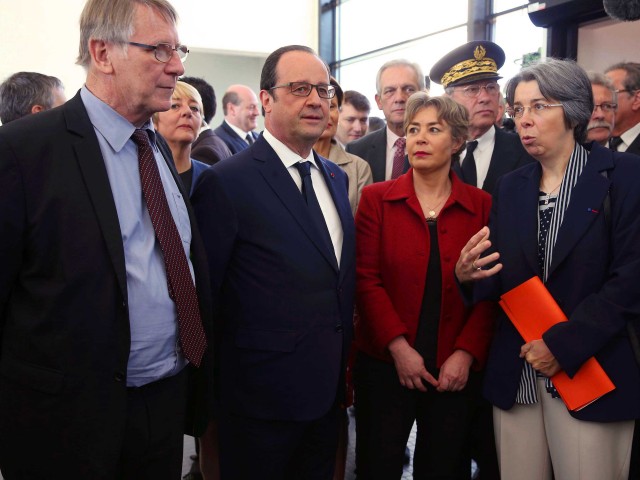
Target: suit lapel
{"x":379,"y":155}
{"x":279,"y":180}
{"x":523,"y":208}
{"x":94,"y":172}
{"x":584,"y":207}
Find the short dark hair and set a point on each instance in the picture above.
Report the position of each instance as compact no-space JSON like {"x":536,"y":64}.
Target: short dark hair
{"x":268,"y":77}
{"x":338,"y":88}
{"x":358,"y":100}
{"x":563,"y":81}
{"x":22,"y":90}
{"x":207,"y":93}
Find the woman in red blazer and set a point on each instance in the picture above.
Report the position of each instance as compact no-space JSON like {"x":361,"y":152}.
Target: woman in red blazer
{"x":419,"y":346}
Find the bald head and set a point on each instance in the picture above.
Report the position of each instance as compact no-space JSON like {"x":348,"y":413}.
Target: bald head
{"x":240,"y":106}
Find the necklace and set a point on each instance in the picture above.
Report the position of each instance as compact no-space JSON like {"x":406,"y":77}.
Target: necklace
{"x":547,"y":196}
{"x":432,"y":211}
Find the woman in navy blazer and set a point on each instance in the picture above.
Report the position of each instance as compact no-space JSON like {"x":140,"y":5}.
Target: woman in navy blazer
{"x":180,"y":126}
{"x":419,"y":347}
{"x":572,"y":219}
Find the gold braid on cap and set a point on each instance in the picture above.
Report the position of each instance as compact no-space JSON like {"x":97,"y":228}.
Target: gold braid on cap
{"x":479,"y":64}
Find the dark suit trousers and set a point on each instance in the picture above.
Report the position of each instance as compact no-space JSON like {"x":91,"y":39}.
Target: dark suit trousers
{"x":253,"y":449}
{"x":385,"y":412}
{"x":154,"y":430}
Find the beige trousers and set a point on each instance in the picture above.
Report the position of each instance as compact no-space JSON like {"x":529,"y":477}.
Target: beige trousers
{"x":536,"y":441}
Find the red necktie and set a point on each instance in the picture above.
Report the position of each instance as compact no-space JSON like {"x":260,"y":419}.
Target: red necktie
{"x":398,"y":157}
{"x":181,"y":288}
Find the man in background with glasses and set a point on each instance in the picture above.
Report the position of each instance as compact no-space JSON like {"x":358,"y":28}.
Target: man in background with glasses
{"x":104,"y":296}
{"x":279,"y":234}
{"x":625,"y":78}
{"x":604,"y":109}
{"x":469,"y":75}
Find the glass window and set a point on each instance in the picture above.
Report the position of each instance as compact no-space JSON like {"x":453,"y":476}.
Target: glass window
{"x":364,"y":26}
{"x":502,"y":5}
{"x":520,"y":39}
{"x":360,"y":75}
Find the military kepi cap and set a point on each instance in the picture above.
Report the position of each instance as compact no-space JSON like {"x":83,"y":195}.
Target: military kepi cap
{"x":477,"y":60}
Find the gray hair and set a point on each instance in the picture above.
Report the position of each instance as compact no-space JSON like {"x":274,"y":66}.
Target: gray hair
{"x":562,"y":81}
{"x":402,"y":63}
{"x":22,"y":90}
{"x":112,"y":21}
{"x":632,"y":80}
{"x":597,"y":78}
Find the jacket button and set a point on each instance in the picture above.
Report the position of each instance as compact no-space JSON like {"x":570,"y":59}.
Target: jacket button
{"x":118,"y":376}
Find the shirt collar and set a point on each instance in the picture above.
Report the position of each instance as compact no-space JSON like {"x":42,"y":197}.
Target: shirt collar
{"x":487,"y":139}
{"x":288,"y":157}
{"x":630,"y":135}
{"x":391,"y":139}
{"x":241,"y":133}
{"x":115,"y":129}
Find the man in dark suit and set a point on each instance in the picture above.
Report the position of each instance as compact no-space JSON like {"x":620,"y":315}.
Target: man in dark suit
{"x":469,"y":75}
{"x":25,"y":93}
{"x":396,"y":81}
{"x":625,"y":77}
{"x":279,"y":236}
{"x":240,"y":106}
{"x":101,"y":327}
{"x":208,"y":148}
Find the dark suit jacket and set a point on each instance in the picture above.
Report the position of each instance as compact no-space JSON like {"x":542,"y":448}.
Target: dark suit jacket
{"x":232,"y":139}
{"x":594,"y":277}
{"x":373,"y":148}
{"x":508,"y":154}
{"x":635,"y":146}
{"x":393,"y":255}
{"x":63,"y":300}
{"x":209,"y":148}
{"x":285,"y":308}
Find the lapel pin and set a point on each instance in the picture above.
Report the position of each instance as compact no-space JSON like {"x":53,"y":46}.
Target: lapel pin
{"x":592,"y":210}
{"x":333,"y":175}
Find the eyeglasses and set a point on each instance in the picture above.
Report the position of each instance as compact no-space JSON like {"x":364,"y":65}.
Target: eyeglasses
{"x":625,"y":90}
{"x":473,"y":91}
{"x":606,"y":107}
{"x":164,"y":51}
{"x":537,"y":108}
{"x":303,"y":89}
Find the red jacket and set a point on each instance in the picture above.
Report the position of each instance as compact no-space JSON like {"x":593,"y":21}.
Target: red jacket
{"x":392,"y":254}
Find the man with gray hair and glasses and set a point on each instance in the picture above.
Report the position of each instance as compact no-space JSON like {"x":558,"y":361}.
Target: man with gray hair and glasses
{"x":24,"y":93}
{"x":625,"y":77}
{"x":604,"y":109}
{"x":469,"y":75}
{"x":104,"y":299}
{"x":384,"y":149}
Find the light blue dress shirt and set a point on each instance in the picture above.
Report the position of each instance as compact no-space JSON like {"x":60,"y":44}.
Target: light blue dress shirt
{"x":155,"y":348}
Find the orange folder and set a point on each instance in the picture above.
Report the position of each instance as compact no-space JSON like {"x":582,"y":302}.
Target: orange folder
{"x":533,"y":311}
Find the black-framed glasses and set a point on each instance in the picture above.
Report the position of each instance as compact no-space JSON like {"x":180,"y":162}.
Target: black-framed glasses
{"x":622,"y":90}
{"x":537,"y":108}
{"x":473,"y":91}
{"x":303,"y":89}
{"x":606,"y":107}
{"x":164,"y":51}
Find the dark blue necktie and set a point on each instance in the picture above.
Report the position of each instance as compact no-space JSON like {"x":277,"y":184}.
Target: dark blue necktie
{"x":315,"y":212}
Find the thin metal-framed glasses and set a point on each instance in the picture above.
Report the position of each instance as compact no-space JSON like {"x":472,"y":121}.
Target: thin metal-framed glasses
{"x":303,"y":89}
{"x":606,"y":107}
{"x":473,"y":91}
{"x":537,"y":108}
{"x":164,"y":51}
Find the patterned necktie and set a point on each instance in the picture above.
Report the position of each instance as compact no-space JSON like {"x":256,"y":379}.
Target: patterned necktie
{"x":614,"y":143}
{"x":180,"y":284}
{"x":469,"y":165}
{"x":398,"y":157}
{"x":249,"y":138}
{"x":315,"y":212}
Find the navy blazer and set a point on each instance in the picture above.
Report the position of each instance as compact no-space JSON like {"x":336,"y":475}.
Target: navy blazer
{"x":285,"y":308}
{"x":64,"y":321}
{"x":232,"y":139}
{"x":594,"y":277}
